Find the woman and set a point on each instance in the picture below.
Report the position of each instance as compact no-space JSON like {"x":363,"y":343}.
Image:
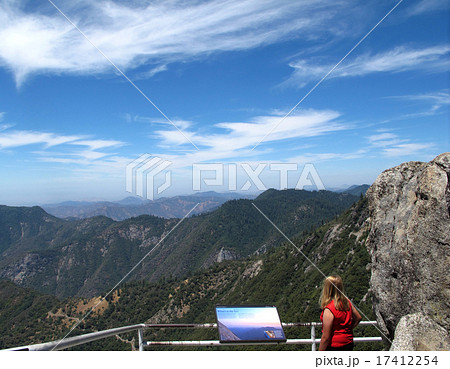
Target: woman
{"x":338,"y":317}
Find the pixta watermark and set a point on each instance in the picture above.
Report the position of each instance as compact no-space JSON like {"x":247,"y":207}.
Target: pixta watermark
{"x":141,"y":176}
{"x":141,"y":173}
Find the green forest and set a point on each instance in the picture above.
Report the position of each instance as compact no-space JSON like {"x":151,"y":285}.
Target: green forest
{"x":282,"y":276}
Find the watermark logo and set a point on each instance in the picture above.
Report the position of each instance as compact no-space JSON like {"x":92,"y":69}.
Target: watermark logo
{"x":141,"y":176}
{"x":141,"y":173}
{"x":214,"y":174}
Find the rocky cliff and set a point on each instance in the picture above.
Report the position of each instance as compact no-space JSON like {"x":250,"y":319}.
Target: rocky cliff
{"x":409,"y":239}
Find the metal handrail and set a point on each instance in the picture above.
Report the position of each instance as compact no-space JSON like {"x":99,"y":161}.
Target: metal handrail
{"x":94,"y":336}
{"x":77,"y":340}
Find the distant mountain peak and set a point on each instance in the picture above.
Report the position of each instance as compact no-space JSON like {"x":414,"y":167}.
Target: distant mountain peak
{"x":356,"y":190}
{"x":131,"y":200}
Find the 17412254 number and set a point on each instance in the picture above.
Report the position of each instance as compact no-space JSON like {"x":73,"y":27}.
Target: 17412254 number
{"x":407,"y":360}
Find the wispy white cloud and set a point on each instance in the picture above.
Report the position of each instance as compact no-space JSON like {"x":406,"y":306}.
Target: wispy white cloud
{"x":384,"y":139}
{"x":4,"y":127}
{"x":232,"y":141}
{"x":435,"y":101}
{"x":239,"y":136}
{"x":399,"y":59}
{"x":180,"y":123}
{"x":150,"y":73}
{"x":159,"y":32}
{"x":406,"y":149}
{"x":63,"y":149}
{"x":390,"y":144}
{"x":11,"y":139}
{"x":98,"y":144}
{"x":381,"y":137}
{"x":425,"y":6}
{"x":85,"y":161}
{"x":326,"y":156}
{"x":383,"y":143}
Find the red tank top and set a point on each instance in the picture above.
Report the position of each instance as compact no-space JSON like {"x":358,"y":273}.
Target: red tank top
{"x":341,"y":333}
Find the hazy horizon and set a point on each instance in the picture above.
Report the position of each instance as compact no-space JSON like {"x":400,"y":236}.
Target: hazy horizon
{"x":128,"y":195}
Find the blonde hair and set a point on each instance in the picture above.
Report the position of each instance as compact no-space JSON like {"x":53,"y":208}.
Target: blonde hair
{"x":333,"y":289}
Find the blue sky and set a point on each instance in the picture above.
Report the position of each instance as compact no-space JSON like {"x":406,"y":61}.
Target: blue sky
{"x":225,"y":73}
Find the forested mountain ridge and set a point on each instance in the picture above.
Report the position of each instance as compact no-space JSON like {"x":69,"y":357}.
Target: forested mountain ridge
{"x":85,"y":257}
{"x":282,"y":277}
{"x":167,"y":207}
{"x":356,"y":190}
{"x":23,"y":315}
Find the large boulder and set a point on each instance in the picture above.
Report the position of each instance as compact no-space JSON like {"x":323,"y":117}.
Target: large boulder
{"x":409,"y":242}
{"x":417,"y":332}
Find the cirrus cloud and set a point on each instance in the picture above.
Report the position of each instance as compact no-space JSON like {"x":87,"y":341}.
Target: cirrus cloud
{"x":399,"y":59}
{"x":41,"y":40}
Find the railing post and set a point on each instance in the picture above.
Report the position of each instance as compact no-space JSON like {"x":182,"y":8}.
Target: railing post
{"x":313,"y":337}
{"x":141,"y":339}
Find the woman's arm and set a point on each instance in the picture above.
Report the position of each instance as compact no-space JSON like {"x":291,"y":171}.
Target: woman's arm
{"x":356,"y":317}
{"x":327,"y":327}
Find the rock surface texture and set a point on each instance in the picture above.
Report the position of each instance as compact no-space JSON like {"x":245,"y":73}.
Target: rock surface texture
{"x":417,"y":332}
{"x":409,"y":243}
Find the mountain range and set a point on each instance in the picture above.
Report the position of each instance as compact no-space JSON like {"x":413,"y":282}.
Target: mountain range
{"x":86,"y":257}
{"x":132,"y":206}
{"x":166,"y":207}
{"x":282,"y":276}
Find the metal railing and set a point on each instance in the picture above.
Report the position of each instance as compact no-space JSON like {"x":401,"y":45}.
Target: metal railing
{"x":89,"y":337}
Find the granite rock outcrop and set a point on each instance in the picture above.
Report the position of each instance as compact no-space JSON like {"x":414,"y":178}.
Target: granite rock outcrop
{"x":409,"y":244}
